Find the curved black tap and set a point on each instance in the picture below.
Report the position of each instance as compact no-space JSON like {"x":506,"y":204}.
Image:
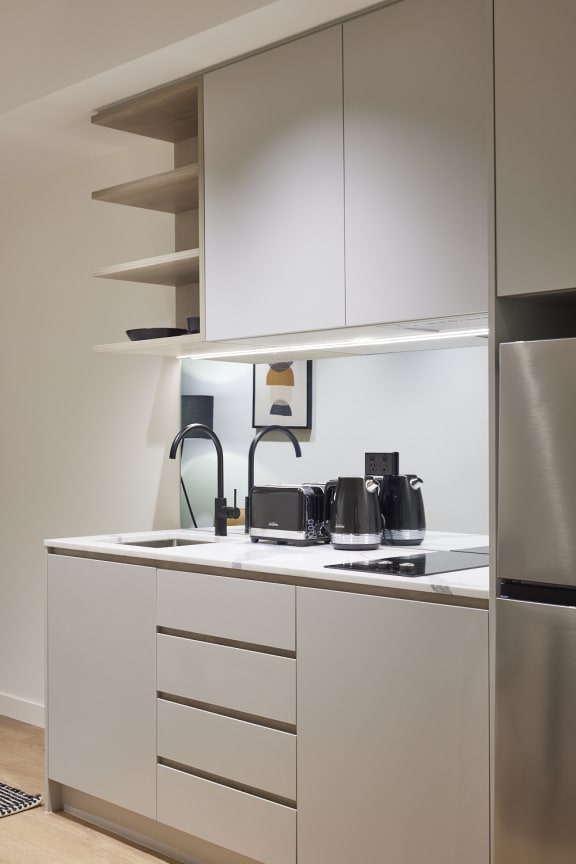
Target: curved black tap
{"x":285,"y":431}
{"x":221,"y":511}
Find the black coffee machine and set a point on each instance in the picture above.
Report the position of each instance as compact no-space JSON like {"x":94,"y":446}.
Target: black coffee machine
{"x":401,"y":502}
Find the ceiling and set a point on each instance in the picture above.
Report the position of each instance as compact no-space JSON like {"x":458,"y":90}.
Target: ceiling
{"x":62,"y":59}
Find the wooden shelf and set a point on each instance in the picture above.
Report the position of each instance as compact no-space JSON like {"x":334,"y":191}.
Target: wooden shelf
{"x":169,"y":113}
{"x":176,"y":268}
{"x":173,"y":191}
{"x":172,"y":346}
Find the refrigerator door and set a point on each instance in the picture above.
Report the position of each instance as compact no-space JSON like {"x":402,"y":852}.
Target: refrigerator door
{"x":535,"y":764}
{"x":537,"y":462}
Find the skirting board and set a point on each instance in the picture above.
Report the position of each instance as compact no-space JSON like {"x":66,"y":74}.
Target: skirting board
{"x":22,"y":709}
{"x":148,"y":833}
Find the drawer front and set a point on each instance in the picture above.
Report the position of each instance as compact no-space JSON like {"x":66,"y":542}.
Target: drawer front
{"x":233,"y":678}
{"x":253,"y":755}
{"x":242,"y":610}
{"x":237,"y":821}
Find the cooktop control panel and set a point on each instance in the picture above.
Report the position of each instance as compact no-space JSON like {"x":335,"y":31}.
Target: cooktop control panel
{"x":419,"y":563}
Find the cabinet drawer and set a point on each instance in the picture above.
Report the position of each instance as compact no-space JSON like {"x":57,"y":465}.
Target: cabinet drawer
{"x":246,"y":753}
{"x":246,"y":681}
{"x":246,"y":824}
{"x":242,"y":610}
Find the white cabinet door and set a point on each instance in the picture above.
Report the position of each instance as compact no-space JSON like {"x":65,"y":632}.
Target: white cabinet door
{"x":392,"y":731}
{"x":101,"y":723}
{"x":416,"y":104}
{"x":274,"y":196}
{"x":535,"y":70}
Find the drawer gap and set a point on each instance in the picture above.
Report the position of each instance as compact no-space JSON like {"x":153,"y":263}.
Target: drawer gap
{"x":230,"y":784}
{"x":278,"y":725}
{"x":230,"y":643}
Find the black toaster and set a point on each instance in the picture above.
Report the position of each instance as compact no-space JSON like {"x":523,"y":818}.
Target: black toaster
{"x":288,"y":514}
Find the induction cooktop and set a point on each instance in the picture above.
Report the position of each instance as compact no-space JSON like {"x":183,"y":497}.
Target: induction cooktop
{"x":418,"y":564}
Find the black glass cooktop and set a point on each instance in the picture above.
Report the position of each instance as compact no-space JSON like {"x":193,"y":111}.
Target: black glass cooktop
{"x":418,"y":564}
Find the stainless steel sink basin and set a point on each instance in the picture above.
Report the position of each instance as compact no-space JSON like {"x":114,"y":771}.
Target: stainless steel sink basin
{"x":163,"y":543}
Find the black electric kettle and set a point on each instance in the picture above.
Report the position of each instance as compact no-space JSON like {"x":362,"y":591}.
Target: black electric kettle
{"x":402,"y":509}
{"x":353,"y":511}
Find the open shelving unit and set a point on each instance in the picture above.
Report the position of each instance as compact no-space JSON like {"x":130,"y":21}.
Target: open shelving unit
{"x":173,"y":191}
{"x":176,"y":268}
{"x":170,"y":114}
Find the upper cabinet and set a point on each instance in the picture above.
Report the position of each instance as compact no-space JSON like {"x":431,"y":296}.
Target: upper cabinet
{"x":535,"y":70}
{"x":340,"y":180}
{"x":416,"y":102}
{"x":274,"y":191}
{"x":171,"y":114}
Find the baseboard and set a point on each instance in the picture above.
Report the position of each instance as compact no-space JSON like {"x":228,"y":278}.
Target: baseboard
{"x":22,"y":709}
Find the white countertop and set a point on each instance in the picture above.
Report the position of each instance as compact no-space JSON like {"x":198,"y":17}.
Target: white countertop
{"x":237,"y":552}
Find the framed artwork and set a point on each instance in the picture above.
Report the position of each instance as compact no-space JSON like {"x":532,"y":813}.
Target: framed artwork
{"x":282,"y":394}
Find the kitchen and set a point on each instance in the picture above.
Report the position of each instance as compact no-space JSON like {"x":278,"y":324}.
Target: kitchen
{"x":88,"y":449}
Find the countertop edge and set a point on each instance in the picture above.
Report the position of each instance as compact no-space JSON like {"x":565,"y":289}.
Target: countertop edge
{"x":235,"y":557}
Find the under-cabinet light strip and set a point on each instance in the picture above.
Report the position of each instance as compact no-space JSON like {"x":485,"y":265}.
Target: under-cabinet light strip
{"x":333,"y":346}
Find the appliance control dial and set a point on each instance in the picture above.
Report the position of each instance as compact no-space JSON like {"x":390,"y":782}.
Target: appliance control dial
{"x":384,"y":565}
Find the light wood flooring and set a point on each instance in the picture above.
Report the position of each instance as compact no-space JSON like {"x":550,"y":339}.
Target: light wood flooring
{"x":37,"y":837}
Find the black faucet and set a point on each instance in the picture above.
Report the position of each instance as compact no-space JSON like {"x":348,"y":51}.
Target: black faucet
{"x":285,"y":431}
{"x":221,"y":511}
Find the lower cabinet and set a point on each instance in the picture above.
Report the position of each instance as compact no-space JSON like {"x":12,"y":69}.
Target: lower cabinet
{"x":101,"y":655}
{"x":392,"y":731}
{"x":251,"y":755}
{"x":227,"y":713}
{"x":252,"y":826}
{"x":172,"y":696}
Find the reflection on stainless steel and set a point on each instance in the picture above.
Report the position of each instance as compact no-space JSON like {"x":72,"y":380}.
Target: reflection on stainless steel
{"x":535,"y":766}
{"x":537,"y":471}
{"x":535,"y":733}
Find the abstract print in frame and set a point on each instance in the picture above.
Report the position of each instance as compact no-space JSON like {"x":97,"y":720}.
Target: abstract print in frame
{"x":282,"y":394}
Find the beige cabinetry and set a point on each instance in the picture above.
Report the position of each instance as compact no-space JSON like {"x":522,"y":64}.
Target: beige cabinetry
{"x":170,"y":114}
{"x":173,"y":694}
{"x":416,"y":103}
{"x":338,"y":180}
{"x":380,"y":126}
{"x":535,"y":68}
{"x":274,"y":202}
{"x":227,"y":712}
{"x":392,"y":730}
{"x":101,"y":666}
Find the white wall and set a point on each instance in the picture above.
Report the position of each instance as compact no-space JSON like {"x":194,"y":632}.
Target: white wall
{"x":431,"y":406}
{"x":84,"y":436}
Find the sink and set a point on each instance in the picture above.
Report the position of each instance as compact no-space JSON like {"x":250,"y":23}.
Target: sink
{"x":164,"y":543}
{"x":168,"y":539}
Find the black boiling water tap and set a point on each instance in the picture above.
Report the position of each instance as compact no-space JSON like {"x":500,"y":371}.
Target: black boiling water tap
{"x":274,"y":428}
{"x":221,"y":511}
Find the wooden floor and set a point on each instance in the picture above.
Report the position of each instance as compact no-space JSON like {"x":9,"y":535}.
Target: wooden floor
{"x":37,"y":837}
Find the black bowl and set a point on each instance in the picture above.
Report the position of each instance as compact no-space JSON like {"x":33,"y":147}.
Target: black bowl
{"x":154,"y":333}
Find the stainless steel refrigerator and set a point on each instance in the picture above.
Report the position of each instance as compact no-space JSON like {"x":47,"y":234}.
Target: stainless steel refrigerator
{"x":535,"y":709}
